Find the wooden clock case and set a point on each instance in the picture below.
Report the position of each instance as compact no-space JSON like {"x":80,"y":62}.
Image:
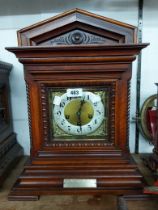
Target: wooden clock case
{"x":10,"y":150}
{"x":77,"y":48}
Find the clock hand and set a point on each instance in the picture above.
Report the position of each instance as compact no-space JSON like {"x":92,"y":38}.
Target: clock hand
{"x":78,"y":113}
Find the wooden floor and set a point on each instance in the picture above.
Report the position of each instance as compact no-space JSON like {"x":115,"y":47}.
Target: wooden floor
{"x":74,"y":202}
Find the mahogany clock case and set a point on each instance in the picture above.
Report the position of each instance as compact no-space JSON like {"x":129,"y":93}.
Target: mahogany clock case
{"x":10,"y":150}
{"x":78,"y":49}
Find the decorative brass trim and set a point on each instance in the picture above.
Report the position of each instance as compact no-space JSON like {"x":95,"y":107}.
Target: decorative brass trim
{"x":80,"y":183}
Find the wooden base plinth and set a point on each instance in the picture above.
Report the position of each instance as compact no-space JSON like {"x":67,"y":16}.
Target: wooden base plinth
{"x":114,"y":174}
{"x":23,"y":197}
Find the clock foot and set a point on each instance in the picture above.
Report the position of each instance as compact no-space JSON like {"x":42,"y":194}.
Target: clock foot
{"x":121,"y":203}
{"x":17,"y":197}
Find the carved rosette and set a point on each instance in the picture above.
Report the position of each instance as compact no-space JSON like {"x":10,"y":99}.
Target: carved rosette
{"x":76,"y":37}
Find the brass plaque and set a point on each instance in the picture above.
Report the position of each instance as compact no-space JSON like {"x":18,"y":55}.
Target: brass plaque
{"x":80,"y":183}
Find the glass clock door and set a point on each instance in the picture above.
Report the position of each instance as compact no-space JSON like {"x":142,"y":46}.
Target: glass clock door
{"x":79,"y":113}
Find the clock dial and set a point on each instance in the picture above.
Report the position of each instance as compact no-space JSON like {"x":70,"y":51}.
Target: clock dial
{"x":79,"y":114}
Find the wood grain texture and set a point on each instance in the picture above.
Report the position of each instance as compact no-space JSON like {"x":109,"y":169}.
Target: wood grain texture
{"x":112,"y":30}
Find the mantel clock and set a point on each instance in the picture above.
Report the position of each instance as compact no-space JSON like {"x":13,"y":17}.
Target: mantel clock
{"x":77,"y":68}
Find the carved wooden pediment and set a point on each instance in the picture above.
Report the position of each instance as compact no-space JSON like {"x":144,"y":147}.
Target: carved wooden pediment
{"x":77,"y":37}
{"x":77,"y":27}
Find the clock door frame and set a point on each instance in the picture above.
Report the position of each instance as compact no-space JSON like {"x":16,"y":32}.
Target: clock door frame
{"x":102,"y":133}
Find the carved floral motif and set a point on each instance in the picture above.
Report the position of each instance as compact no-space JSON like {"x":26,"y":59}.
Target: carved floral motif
{"x":76,"y":37}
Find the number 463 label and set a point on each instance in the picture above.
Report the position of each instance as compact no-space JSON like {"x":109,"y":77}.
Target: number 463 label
{"x":75,"y":92}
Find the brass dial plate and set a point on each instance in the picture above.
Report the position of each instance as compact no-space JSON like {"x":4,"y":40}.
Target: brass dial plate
{"x":87,"y":113}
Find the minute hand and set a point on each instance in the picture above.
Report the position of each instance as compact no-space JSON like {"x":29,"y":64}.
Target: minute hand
{"x":78,"y":113}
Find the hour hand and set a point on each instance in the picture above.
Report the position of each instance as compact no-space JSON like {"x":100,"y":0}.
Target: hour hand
{"x":78,"y":113}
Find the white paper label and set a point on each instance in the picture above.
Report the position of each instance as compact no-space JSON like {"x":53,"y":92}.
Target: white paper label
{"x":57,"y":100}
{"x":75,"y":92}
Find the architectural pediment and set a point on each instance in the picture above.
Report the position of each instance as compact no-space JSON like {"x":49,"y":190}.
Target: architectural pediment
{"x":77,"y":27}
